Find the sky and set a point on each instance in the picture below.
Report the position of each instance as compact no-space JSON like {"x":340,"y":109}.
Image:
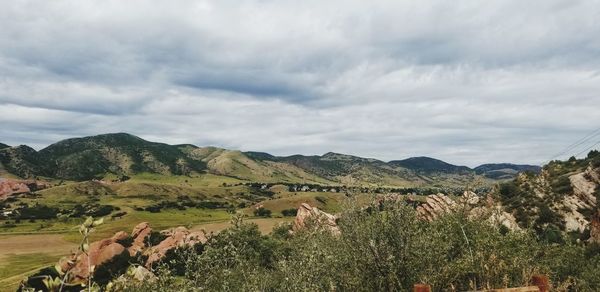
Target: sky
{"x":468,"y":82}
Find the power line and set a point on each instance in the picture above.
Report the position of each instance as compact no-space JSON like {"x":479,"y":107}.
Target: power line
{"x":597,"y":143}
{"x":577,"y":143}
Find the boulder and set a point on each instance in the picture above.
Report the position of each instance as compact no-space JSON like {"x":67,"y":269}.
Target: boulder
{"x":99,"y":252}
{"x":142,"y":274}
{"x":176,"y":237}
{"x":317,"y":217}
{"x":139,"y":234}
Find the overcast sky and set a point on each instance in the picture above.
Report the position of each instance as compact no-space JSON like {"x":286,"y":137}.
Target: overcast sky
{"x":468,"y":82}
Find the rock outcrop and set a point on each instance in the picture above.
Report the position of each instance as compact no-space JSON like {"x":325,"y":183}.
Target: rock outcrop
{"x":176,"y":237}
{"x":102,"y":251}
{"x":470,"y":203}
{"x":139,"y":234}
{"x":99,"y":253}
{"x":9,"y":187}
{"x":312,"y":217}
{"x":436,"y":206}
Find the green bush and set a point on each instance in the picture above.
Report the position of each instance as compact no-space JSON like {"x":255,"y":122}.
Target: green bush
{"x":262,"y":212}
{"x":562,"y":185}
{"x":289,"y":212}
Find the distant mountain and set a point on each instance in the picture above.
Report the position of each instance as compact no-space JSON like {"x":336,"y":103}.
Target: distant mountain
{"x":23,"y":161}
{"x":2,"y":146}
{"x":429,"y":165}
{"x":120,"y":153}
{"x":124,"y":154}
{"x":504,"y":170}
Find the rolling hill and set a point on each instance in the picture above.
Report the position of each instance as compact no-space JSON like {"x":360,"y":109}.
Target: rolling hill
{"x":429,"y":165}
{"x":23,"y":161}
{"x":122,"y":154}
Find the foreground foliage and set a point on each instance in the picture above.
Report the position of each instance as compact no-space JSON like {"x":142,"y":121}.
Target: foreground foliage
{"x":381,"y":248}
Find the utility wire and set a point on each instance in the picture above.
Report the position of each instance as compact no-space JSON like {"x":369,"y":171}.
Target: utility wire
{"x":577,"y":143}
{"x":584,"y":150}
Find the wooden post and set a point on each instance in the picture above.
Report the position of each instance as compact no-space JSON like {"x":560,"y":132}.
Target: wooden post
{"x":542,"y":282}
{"x":421,"y":288}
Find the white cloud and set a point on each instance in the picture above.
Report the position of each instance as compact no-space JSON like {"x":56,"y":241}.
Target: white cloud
{"x":465,"y":81}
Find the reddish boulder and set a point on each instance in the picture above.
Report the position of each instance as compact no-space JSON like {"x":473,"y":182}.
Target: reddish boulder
{"x":139,"y":234}
{"x":176,"y":237}
{"x":99,"y":252}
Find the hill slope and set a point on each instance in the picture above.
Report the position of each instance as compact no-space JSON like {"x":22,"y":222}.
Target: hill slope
{"x":95,"y":156}
{"x":124,"y":154}
{"x":429,"y":165}
{"x":563,"y":197}
{"x":23,"y":161}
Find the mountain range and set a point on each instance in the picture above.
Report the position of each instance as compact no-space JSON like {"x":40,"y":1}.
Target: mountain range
{"x":122,"y":154}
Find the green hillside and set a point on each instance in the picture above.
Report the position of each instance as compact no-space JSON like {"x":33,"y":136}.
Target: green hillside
{"x":118,"y":156}
{"x":23,"y":161}
{"x":429,"y":165}
{"x":121,"y":154}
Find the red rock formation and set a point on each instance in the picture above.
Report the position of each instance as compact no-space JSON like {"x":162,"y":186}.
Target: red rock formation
{"x":314,"y":215}
{"x":99,"y":252}
{"x":9,"y":187}
{"x":176,"y":237}
{"x":139,"y":234}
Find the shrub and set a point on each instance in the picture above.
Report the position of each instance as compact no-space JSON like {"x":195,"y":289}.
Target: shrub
{"x":38,"y":212}
{"x":562,"y":185}
{"x":321,"y":199}
{"x":262,"y":212}
{"x":112,"y":268}
{"x":508,"y":189}
{"x":154,"y":238}
{"x":289,"y":212}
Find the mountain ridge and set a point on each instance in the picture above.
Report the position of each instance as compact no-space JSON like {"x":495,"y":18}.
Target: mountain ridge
{"x":93,"y":157}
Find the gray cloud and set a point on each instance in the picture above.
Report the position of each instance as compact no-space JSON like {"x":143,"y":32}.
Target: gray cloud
{"x":465,"y":81}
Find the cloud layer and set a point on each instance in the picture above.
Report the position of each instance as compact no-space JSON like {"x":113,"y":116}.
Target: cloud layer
{"x":465,"y":81}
